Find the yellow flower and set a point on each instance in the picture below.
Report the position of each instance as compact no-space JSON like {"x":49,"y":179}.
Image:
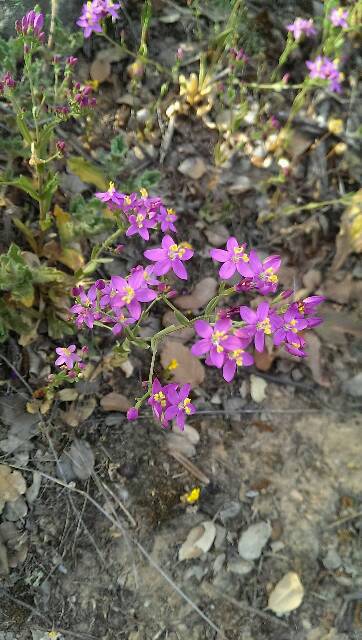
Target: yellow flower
{"x":53,"y":635}
{"x":191,"y":497}
{"x":173,"y":365}
{"x":335,"y":126}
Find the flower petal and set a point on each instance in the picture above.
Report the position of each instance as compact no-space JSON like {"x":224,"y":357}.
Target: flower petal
{"x":259,"y":341}
{"x":219,"y":255}
{"x":203,"y":328}
{"x":227,"y":270}
{"x":229,"y":370}
{"x":248,"y":315}
{"x":200,"y":347}
{"x":179,"y":269}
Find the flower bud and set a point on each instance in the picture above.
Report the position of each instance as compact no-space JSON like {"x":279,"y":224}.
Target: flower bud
{"x":132,"y":413}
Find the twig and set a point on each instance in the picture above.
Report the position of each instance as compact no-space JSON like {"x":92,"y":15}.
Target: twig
{"x":345,"y":519}
{"x":212,"y":592}
{"x":11,"y":366}
{"x":139,"y":546}
{"x":189,"y":466}
{"x":120,"y":504}
{"x":34,"y":611}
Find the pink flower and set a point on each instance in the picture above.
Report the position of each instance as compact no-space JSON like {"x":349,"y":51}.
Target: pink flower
{"x":295,"y":348}
{"x":132,"y":414}
{"x":309,"y":304}
{"x":67,"y":356}
{"x":159,"y":399}
{"x":127,"y":292}
{"x":90,"y":18}
{"x":259,"y":324}
{"x":166,"y":218}
{"x":234,"y":359}
{"x":86,"y":307}
{"x":111,"y":197}
{"x":180,"y":405}
{"x":121,"y":321}
{"x":31,"y":25}
{"x":147,"y":274}
{"x":339,"y":17}
{"x":215,"y":341}
{"x":140,"y":224}
{"x":170,"y":256}
{"x":300,"y":27}
{"x":291,"y":324}
{"x":325,"y":69}
{"x":264,"y":274}
{"x":234,"y":259}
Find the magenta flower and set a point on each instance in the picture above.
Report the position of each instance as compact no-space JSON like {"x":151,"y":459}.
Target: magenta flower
{"x":291,"y":324}
{"x":234,"y":259}
{"x":180,"y":405}
{"x":132,"y":414}
{"x":301,"y":27}
{"x":121,"y":321}
{"x":339,"y":17}
{"x":215,"y":341}
{"x":71,"y":61}
{"x":259,"y":324}
{"x":325,"y":69}
{"x":170,"y":256}
{"x":109,"y":9}
{"x":140,"y":224}
{"x":166,"y":218}
{"x":233,"y":360}
{"x":308,"y":305}
{"x":264,"y":273}
{"x":147,"y":274}
{"x":158,"y":400}
{"x":239,"y":54}
{"x":295,"y":348}
{"x":86,"y":307}
{"x":127,"y":292}
{"x":110,"y":197}
{"x":90,"y":18}
{"x":67,"y":356}
{"x":31,"y":24}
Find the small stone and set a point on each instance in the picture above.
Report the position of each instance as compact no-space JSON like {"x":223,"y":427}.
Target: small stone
{"x":253,"y":540}
{"x":354,"y":386}
{"x":220,"y":537}
{"x":230,"y":510}
{"x":218,"y":563}
{"x":240,"y":567}
{"x":332,"y":560}
{"x":16,"y":510}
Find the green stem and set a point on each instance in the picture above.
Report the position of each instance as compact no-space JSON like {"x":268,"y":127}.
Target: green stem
{"x":137,"y":56}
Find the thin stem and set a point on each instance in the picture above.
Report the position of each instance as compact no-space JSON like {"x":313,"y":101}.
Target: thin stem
{"x":137,"y":56}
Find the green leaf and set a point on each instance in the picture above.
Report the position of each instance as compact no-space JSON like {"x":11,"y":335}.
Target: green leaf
{"x":87,"y":172}
{"x":118,"y":147}
{"x":181,"y":318}
{"x":23,"y":128}
{"x":148,"y":179}
{"x":23,"y":183}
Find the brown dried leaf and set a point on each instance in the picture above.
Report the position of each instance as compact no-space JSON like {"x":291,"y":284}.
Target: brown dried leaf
{"x":314,"y":359}
{"x":199,"y":297}
{"x":199,"y":541}
{"x":115,"y":402}
{"x":74,"y":416}
{"x":12,"y":484}
{"x":349,"y":239}
{"x":100,"y":70}
{"x":188,"y":368}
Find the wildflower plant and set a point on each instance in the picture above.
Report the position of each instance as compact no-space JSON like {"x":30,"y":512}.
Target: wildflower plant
{"x":227,"y":336}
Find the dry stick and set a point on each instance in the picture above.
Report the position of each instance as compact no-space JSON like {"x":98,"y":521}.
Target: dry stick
{"x":54,"y":14}
{"x":189,"y":466}
{"x":343,"y":520}
{"x":102,"y":486}
{"x":11,"y":366}
{"x":211,"y":591}
{"x":75,"y":510}
{"x":142,"y":550}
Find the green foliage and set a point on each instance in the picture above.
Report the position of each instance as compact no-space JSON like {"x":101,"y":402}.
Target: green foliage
{"x":114,"y":163}
{"x":89,"y":217}
{"x":10,"y":52}
{"x":20,"y":275}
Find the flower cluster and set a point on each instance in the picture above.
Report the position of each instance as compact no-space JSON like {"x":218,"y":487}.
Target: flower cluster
{"x":31,"y":25}
{"x":93,"y":12}
{"x":301,"y":27}
{"x":7,"y":82}
{"x":168,"y":402}
{"x":143,"y":212}
{"x":80,"y":97}
{"x":257,"y":274}
{"x":70,"y":360}
{"x":325,"y":69}
{"x":339,"y":17}
{"x":239,"y":55}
